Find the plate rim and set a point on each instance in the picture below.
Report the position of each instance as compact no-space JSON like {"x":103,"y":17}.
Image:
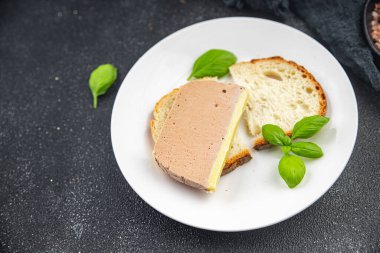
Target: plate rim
{"x":243,"y":18}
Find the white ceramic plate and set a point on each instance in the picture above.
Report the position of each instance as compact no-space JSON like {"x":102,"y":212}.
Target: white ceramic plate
{"x":254,"y":195}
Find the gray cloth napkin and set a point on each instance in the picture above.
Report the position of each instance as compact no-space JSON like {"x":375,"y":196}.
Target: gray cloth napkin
{"x":335,"y":23}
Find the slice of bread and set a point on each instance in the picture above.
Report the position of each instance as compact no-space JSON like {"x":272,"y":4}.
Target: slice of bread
{"x":280,"y":92}
{"x":238,"y":154}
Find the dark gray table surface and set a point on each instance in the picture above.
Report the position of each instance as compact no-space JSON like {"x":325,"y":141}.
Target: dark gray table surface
{"x":60,"y":187}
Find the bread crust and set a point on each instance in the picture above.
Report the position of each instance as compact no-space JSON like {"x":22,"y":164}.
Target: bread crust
{"x":235,"y":161}
{"x":159,"y":104}
{"x":162,"y":100}
{"x":230,"y":165}
{"x":261,"y":143}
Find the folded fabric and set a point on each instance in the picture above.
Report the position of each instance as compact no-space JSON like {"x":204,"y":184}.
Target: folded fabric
{"x":337,"y":24}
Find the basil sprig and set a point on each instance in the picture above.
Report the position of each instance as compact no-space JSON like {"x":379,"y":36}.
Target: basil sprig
{"x":101,"y":79}
{"x":213,"y":63}
{"x":292,"y":168}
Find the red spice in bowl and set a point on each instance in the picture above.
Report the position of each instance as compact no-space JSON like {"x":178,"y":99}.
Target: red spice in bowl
{"x":375,"y":26}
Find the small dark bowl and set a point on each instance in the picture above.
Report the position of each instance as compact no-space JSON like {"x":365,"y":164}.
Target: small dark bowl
{"x":367,"y":18}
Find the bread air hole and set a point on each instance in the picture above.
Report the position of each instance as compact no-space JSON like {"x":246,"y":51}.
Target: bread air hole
{"x":309,"y":90}
{"x":273,"y":75}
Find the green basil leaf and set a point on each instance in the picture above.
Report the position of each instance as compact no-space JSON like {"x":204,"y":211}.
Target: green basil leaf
{"x":213,"y":63}
{"x":286,"y":149}
{"x":275,"y":135}
{"x":287,"y":141}
{"x":307,"y":127}
{"x":101,"y":80}
{"x":307,"y":149}
{"x":292,"y":169}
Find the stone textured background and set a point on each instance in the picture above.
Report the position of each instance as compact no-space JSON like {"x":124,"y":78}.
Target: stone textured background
{"x":60,"y":187}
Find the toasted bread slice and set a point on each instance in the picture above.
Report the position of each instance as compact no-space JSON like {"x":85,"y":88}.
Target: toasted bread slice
{"x":280,"y":92}
{"x":238,"y":154}
{"x":197,"y":134}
